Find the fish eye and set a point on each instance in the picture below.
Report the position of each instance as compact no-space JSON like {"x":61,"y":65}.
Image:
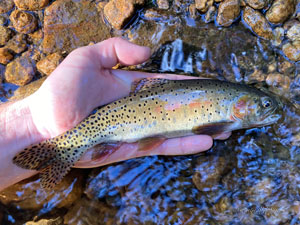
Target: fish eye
{"x":267,"y":103}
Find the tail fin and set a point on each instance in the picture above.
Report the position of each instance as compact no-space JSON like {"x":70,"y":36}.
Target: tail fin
{"x":43,"y":157}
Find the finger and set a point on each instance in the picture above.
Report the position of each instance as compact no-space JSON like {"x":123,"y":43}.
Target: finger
{"x":118,"y":50}
{"x":175,"y":146}
{"x":222,"y":136}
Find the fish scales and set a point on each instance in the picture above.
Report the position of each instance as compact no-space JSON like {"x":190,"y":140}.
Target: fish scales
{"x":165,"y":108}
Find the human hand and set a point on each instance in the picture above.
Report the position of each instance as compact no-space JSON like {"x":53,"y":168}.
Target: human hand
{"x":86,"y":80}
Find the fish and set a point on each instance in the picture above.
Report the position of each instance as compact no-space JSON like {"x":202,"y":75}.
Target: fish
{"x":155,"y":110}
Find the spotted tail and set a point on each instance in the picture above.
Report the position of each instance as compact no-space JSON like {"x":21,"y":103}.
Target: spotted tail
{"x":45,"y":158}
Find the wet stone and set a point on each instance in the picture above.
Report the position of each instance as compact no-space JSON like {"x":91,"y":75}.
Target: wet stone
{"x":228,"y":12}
{"x":280,"y":11}
{"x":285,"y":67}
{"x":17,"y":44}
{"x":288,"y":24}
{"x":210,"y":15}
{"x":294,"y":32}
{"x":292,"y":50}
{"x":256,"y":77}
{"x":57,"y":221}
{"x":193,"y":11}
{"x":261,"y":191}
{"x":208,"y":173}
{"x":49,"y":63}
{"x":163,"y":4}
{"x":119,"y":12}
{"x":23,"y":22}
{"x":5,"y":34}
{"x":278,"y":36}
{"x":69,"y":24}
{"x":31,"y":5}
{"x":257,"y":4}
{"x":5,"y":55}
{"x":278,"y":80}
{"x":6,"y":5}
{"x":258,"y":23}
{"x":3,"y":20}
{"x":203,"y":5}
{"x":20,"y":71}
{"x":32,"y":197}
{"x":278,"y":212}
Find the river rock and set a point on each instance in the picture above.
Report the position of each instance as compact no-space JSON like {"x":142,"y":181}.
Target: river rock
{"x":280,"y":11}
{"x":31,"y":5}
{"x":23,"y":22}
{"x":119,"y":12}
{"x":292,"y":50}
{"x":210,"y":15}
{"x":278,"y":80}
{"x":69,"y":24}
{"x":208,"y":172}
{"x":285,"y":67}
{"x":20,"y":71}
{"x":163,"y":4}
{"x":3,"y":20}
{"x":278,"y":36}
{"x":5,"y":34}
{"x":258,"y":23}
{"x":257,"y":4}
{"x":57,"y":221}
{"x":203,"y":5}
{"x":48,"y":64}
{"x":6,"y":5}
{"x":28,"y":194}
{"x":17,"y":44}
{"x":228,"y":12}
{"x":278,"y":212}
{"x":288,"y":24}
{"x":294,"y":33}
{"x":5,"y":55}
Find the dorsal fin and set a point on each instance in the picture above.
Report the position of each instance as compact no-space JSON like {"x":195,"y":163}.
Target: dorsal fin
{"x":146,"y":84}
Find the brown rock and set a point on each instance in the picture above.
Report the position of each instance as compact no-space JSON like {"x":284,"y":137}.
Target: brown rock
{"x":6,"y":5}
{"x":203,"y":5}
{"x":278,"y":80}
{"x":49,"y":63}
{"x":280,"y":11}
{"x":119,"y":12}
{"x":31,"y":5}
{"x":260,"y":191}
{"x":257,"y":23}
{"x":208,"y":173}
{"x":285,"y":67}
{"x":17,"y":44}
{"x":57,"y":221}
{"x":3,"y":20}
{"x":28,"y":89}
{"x":210,"y":15}
{"x":5,"y":35}
{"x":5,"y":55}
{"x":292,"y":50}
{"x":23,"y":22}
{"x":278,"y":36}
{"x":34,"y":198}
{"x":278,"y":212}
{"x":36,"y":37}
{"x":294,"y":33}
{"x":257,"y":4}
{"x":69,"y":24}
{"x":193,"y":11}
{"x":256,"y":77}
{"x":20,"y":71}
{"x":228,"y":11}
{"x":163,"y":4}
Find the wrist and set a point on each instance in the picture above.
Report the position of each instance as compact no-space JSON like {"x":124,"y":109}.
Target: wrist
{"x":17,"y":132}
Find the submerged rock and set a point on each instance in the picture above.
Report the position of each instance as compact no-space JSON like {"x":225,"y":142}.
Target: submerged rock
{"x":163,"y":4}
{"x":119,"y":12}
{"x":28,"y":194}
{"x":5,"y":34}
{"x":258,"y":23}
{"x":23,"y":22}
{"x":17,"y":44}
{"x":5,"y":55}
{"x":6,"y":5}
{"x":210,"y":15}
{"x":280,"y":11}
{"x":292,"y":50}
{"x":20,"y":71}
{"x":57,"y":221}
{"x":294,"y":32}
{"x":203,"y":5}
{"x":257,"y":4}
{"x":49,"y":63}
{"x":69,"y":24}
{"x":228,"y":12}
{"x":31,"y":5}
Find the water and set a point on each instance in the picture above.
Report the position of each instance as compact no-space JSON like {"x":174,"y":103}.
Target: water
{"x":251,"y":178}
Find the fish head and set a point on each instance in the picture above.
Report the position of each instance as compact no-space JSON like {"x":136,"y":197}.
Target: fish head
{"x":256,"y":110}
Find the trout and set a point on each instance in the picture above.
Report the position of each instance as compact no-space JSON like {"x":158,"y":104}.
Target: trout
{"x":156,"y":108}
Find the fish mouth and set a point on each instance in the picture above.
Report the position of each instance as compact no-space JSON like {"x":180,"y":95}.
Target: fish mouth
{"x":270,"y":118}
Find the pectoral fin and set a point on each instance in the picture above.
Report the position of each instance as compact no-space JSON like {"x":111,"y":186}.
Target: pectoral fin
{"x":150,"y":143}
{"x":213,"y":128}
